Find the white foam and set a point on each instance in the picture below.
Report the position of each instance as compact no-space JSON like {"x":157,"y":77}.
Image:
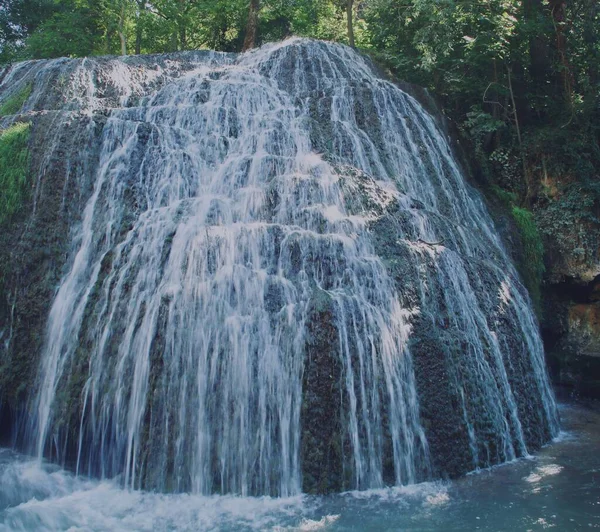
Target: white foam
{"x":56,"y":500}
{"x":564,"y":435}
{"x":543,"y":471}
{"x":310,"y":524}
{"x":433,"y":491}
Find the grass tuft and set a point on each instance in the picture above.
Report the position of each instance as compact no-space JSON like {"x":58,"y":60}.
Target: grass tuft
{"x":14,"y":161}
{"x":532,"y":267}
{"x":13,"y":104}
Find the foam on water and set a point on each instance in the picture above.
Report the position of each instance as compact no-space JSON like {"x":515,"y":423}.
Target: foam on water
{"x":542,"y":472}
{"x":564,"y":435}
{"x":43,"y":497}
{"x":426,"y":491}
{"x":36,"y":496}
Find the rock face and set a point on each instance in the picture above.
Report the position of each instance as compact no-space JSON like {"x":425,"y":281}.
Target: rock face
{"x":569,"y":224}
{"x":257,"y":274}
{"x":571,"y":329}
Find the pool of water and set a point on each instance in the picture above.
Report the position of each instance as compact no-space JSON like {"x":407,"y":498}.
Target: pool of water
{"x":558,"y":489}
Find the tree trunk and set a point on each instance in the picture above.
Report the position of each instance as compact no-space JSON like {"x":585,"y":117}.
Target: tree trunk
{"x":526,"y":176}
{"x":121,"y":30}
{"x":540,"y":63}
{"x":593,"y":63}
{"x":559,"y":18}
{"x":123,"y":43}
{"x":252,"y":26}
{"x":182,"y":20}
{"x":182,"y":35}
{"x":138,"y":27}
{"x":138,"y":39}
{"x":349,"y":9}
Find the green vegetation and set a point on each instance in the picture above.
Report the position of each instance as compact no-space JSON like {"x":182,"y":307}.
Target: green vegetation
{"x":14,"y":160}
{"x":507,"y":198}
{"x":75,"y":28}
{"x":532,"y":264}
{"x":13,"y":104}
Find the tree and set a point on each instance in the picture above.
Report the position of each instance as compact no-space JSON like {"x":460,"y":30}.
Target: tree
{"x":251,"y":26}
{"x":349,"y":16}
{"x":73,"y":31}
{"x":536,"y":30}
{"x":18,"y":20}
{"x":140,"y":14}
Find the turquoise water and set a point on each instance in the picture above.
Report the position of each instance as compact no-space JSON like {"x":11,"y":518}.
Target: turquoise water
{"x":557,"y":489}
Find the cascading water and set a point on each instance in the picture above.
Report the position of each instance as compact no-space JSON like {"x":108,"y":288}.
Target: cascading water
{"x":239,"y":204}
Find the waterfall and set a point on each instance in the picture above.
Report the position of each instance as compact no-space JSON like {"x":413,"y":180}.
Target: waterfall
{"x":239,"y":204}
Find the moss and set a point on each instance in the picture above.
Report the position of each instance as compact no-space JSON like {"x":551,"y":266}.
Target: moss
{"x":529,"y":258}
{"x":532,"y":266}
{"x":14,"y":161}
{"x":506,"y":197}
{"x":12,"y":105}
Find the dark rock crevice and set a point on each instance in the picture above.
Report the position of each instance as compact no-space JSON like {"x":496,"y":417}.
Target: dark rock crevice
{"x":571,"y":333}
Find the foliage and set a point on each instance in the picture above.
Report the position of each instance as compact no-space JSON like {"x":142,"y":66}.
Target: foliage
{"x":18,"y":20}
{"x":530,"y":258}
{"x":67,"y":33}
{"x":13,"y":104}
{"x":532,"y":266}
{"x":573,"y":215}
{"x":522,"y":82}
{"x":506,"y":197}
{"x":14,"y":161}
{"x":77,"y":28}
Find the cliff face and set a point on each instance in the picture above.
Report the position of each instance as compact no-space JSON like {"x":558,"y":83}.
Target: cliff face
{"x":571,"y":294}
{"x":261,"y":273}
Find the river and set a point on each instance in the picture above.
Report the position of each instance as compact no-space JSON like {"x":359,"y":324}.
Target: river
{"x":558,"y":488}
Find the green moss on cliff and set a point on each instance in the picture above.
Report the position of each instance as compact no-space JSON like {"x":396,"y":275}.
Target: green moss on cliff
{"x":504,"y":196}
{"x":529,"y":246}
{"x":13,"y":104}
{"x":14,"y":160}
{"x":532,"y":266}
